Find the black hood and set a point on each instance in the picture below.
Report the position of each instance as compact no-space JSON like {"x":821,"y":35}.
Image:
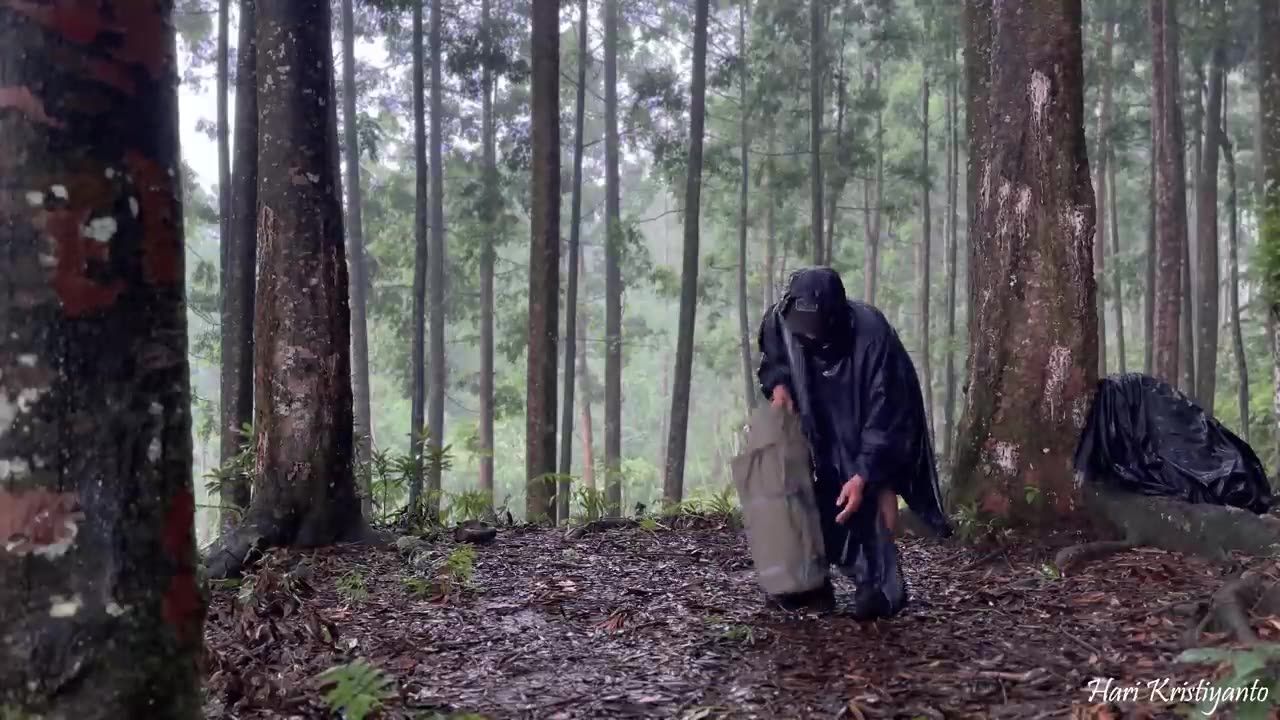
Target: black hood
{"x":815,"y":308}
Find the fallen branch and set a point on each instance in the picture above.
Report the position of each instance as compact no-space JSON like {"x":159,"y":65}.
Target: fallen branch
{"x":1072,"y":558}
{"x":595,"y":526}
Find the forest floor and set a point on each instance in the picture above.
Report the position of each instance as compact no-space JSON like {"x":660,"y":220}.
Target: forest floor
{"x":669,"y":623}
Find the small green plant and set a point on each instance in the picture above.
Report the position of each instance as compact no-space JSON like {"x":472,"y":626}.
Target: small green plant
{"x":356,"y":689}
{"x":592,"y":503}
{"x":742,"y":634}
{"x":420,"y":588}
{"x":1032,"y":494}
{"x":238,"y":465}
{"x":1050,"y":571}
{"x":351,"y":586}
{"x":1252,"y":683}
{"x":468,"y":505}
{"x":459,"y":566}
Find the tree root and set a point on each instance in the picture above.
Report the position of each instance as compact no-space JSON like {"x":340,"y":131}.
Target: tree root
{"x":1229,"y":609}
{"x":1072,"y":558}
{"x":240,"y":548}
{"x":595,"y":526}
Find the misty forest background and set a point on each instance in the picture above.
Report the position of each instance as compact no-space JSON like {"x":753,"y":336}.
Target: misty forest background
{"x":893,"y":151}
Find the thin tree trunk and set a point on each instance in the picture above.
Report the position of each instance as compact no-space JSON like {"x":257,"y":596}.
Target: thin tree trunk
{"x":1269,"y":237}
{"x":1100,"y":185}
{"x":544,"y":261}
{"x":241,"y":241}
{"x":585,"y":390}
{"x":487,"y":253}
{"x":1149,"y":275}
{"x":1117,"y":304}
{"x":1034,"y":336}
{"x":435,"y":269}
{"x":1233,"y":285}
{"x":952,"y":237}
{"x":355,"y":245}
{"x":872,"y":214}
{"x":224,"y":145}
{"x":1171,"y":202}
{"x":304,"y":492}
{"x":100,"y":612}
{"x":836,"y":172}
{"x":815,"y":129}
{"x":613,"y":269}
{"x":771,"y":223}
{"x":924,"y":255}
{"x":572,"y":341}
{"x":673,"y":482}
{"x":418,"y":359}
{"x":1207,"y":220}
{"x":744,"y":323}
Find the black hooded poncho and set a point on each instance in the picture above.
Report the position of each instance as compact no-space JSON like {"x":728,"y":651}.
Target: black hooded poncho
{"x":860,"y":404}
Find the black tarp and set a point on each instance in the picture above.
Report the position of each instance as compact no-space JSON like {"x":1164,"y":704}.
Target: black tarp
{"x":1144,"y":436}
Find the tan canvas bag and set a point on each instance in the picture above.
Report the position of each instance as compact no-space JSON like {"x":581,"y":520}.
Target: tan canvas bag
{"x":780,"y":511}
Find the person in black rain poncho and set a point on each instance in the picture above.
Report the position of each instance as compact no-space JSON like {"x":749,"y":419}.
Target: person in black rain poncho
{"x":840,"y":365}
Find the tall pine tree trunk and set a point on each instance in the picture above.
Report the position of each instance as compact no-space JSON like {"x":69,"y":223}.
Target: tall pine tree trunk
{"x":952,"y":271}
{"x":771,"y":221}
{"x":585,"y":390}
{"x":100,"y":612}
{"x":574,"y":348}
{"x":613,"y":269}
{"x":1207,"y":219}
{"x":1117,"y":305}
{"x":815,"y":129}
{"x":304,"y":492}
{"x":1034,"y":335}
{"x":435,"y":266}
{"x":224,"y":145}
{"x":241,"y":241}
{"x":1171,"y":199}
{"x":924,"y":255}
{"x":673,"y":483}
{"x":1149,"y":272}
{"x":1233,"y":283}
{"x":418,"y":361}
{"x":355,"y":245}
{"x":490,"y":209}
{"x":1100,"y":186}
{"x":544,"y":259}
{"x":744,"y":323}
{"x":874,"y":203}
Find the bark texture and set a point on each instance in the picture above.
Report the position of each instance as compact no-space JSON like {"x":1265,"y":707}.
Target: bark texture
{"x":489,"y":208}
{"x":744,"y":323}
{"x":418,"y":346}
{"x":435,"y":266}
{"x":1233,"y":283}
{"x":101,"y":616}
{"x":241,"y":240}
{"x":1207,"y":218}
{"x":1171,"y":201}
{"x":1033,"y":339}
{"x":1269,"y":239}
{"x":544,"y":265}
{"x":574,"y":348}
{"x":923,"y":258}
{"x":673,"y":481}
{"x":304,"y":492}
{"x":1117,"y":304}
{"x":355,"y":246}
{"x":952,"y":236}
{"x":1100,"y":188}
{"x":815,"y":129}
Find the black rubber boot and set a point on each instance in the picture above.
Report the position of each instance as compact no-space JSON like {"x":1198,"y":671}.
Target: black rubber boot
{"x":819,"y":600}
{"x":882,"y":590}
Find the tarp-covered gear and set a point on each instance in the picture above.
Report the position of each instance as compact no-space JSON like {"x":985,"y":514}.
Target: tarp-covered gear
{"x":775,"y":486}
{"x":858,"y":396}
{"x":1144,"y":436}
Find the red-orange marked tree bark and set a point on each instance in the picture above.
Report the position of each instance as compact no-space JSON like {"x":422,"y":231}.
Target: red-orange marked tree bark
{"x":100,"y":614}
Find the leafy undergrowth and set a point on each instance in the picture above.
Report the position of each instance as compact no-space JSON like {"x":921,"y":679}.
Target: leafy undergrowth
{"x":669,"y":623}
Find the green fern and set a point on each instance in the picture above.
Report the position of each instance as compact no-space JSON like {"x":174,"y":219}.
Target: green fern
{"x":1247,"y":667}
{"x":357,"y":689}
{"x":351,"y":586}
{"x":459,"y":567}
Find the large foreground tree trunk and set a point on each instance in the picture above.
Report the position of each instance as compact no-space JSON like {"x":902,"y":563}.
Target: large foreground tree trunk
{"x":544,"y":264}
{"x":236,"y":389}
{"x":673,"y":483}
{"x":1033,"y":339}
{"x":355,"y":245}
{"x":572,"y":341}
{"x":418,"y":346}
{"x":1207,"y":219}
{"x":1269,"y":240}
{"x":100,"y":613}
{"x":1171,"y":201}
{"x":304,"y":492}
{"x":613,"y":268}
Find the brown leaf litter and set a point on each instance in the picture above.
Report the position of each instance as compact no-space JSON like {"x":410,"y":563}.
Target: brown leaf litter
{"x":670,"y":624}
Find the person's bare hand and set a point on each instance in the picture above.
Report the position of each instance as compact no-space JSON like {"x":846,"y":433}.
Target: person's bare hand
{"x":782,"y":398}
{"x":850,"y":498}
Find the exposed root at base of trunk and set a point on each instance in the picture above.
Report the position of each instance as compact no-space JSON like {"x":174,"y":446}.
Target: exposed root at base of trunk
{"x":1072,"y":558}
{"x":230,"y":554}
{"x":1229,"y":609}
{"x":595,"y":526}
